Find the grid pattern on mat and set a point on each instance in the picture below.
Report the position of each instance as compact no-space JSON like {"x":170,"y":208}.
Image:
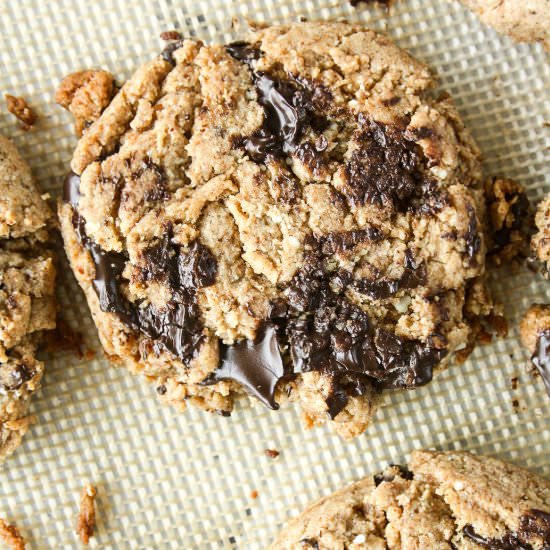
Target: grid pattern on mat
{"x":167,"y":480}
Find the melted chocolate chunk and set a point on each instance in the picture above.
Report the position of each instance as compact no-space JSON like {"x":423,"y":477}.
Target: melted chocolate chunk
{"x":510,"y":541}
{"x":340,"y":242}
{"x":256,"y":365}
{"x":328,"y":334}
{"x":386,"y":168}
{"x":289,"y":106}
{"x":519,"y":216}
{"x":414,"y":275}
{"x":541,"y":358}
{"x":176,"y":327}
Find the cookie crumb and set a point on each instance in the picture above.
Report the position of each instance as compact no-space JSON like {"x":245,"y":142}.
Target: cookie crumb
{"x":514,"y":382}
{"x":515,"y":405}
{"x":20,"y":423}
{"x":11,"y":536}
{"x":86,"y":94}
{"x":86,"y":517}
{"x":271,"y":453}
{"x":19,"y":107}
{"x":171,"y":35}
{"x":254,"y":494}
{"x":64,"y":338}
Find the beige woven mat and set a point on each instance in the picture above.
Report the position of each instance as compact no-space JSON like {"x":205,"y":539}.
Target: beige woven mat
{"x":167,"y":480}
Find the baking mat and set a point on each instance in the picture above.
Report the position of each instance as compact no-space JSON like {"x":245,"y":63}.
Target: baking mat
{"x":169,"y":480}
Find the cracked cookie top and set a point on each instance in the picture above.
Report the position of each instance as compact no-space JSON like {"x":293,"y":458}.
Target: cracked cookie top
{"x":295,"y":215}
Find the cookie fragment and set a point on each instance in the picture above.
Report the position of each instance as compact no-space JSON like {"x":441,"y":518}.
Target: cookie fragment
{"x":535,"y":336}
{"x":85,"y":94}
{"x":86,"y":518}
{"x":248,"y":219}
{"x":452,"y":500}
{"x":524,"y":21}
{"x":540,"y":243}
{"x":510,"y":219}
{"x":19,"y":107}
{"x":11,"y":536}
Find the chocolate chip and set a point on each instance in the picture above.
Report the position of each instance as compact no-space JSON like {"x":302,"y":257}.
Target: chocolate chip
{"x":509,"y":541}
{"x":402,"y":471}
{"x":414,"y":275}
{"x":385,"y":168}
{"x":255,"y":365}
{"x":161,"y":390}
{"x":541,"y":358}
{"x":197,"y":268}
{"x":339,"y":242}
{"x":271,"y":453}
{"x":168,"y":52}
{"x":536,"y":522}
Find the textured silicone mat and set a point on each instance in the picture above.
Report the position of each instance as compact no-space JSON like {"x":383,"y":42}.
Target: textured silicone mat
{"x":169,"y":480}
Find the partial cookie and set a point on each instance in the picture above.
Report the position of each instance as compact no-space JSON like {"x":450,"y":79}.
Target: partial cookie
{"x":540,"y":243}
{"x":27,"y":304}
{"x":294,"y":216}
{"x":510,"y":221}
{"x":523,"y":20}
{"x":452,"y":500}
{"x":535,"y":335}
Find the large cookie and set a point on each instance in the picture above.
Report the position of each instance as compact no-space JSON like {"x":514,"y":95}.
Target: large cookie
{"x":523,"y":20}
{"x":452,"y":500}
{"x":27,"y":304}
{"x":295,"y":216}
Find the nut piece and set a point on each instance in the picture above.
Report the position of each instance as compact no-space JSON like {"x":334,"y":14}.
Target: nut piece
{"x":86,"y":518}
{"x":19,"y":107}
{"x":510,"y":220}
{"x":86,"y":94}
{"x":11,"y":536}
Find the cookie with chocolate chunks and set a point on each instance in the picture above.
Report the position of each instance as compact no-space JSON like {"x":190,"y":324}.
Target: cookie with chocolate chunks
{"x":444,"y":500}
{"x":292,"y":216}
{"x":27,"y":302}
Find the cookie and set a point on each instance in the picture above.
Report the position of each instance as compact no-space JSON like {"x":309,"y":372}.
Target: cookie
{"x":540,"y":242}
{"x":27,"y":304}
{"x":523,"y":20}
{"x":442,"y":500}
{"x":535,"y":336}
{"x":294,"y":216}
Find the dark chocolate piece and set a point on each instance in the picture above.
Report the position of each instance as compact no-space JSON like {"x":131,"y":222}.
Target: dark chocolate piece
{"x":509,"y":541}
{"x":312,"y":543}
{"x":414,"y":275}
{"x":256,"y":365}
{"x":243,"y":51}
{"x":168,"y":52}
{"x":71,"y":189}
{"x":541,"y":357}
{"x":536,"y":522}
{"x":12,"y":377}
{"x":403,"y":472}
{"x":386,"y":169}
{"x":177,"y":327}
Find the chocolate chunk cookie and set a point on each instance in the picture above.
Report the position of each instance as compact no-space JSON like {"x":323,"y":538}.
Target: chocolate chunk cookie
{"x":293,"y":216}
{"x":540,"y":243}
{"x":523,"y":20}
{"x":535,"y":335}
{"x":452,"y":500}
{"x":27,"y":305}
